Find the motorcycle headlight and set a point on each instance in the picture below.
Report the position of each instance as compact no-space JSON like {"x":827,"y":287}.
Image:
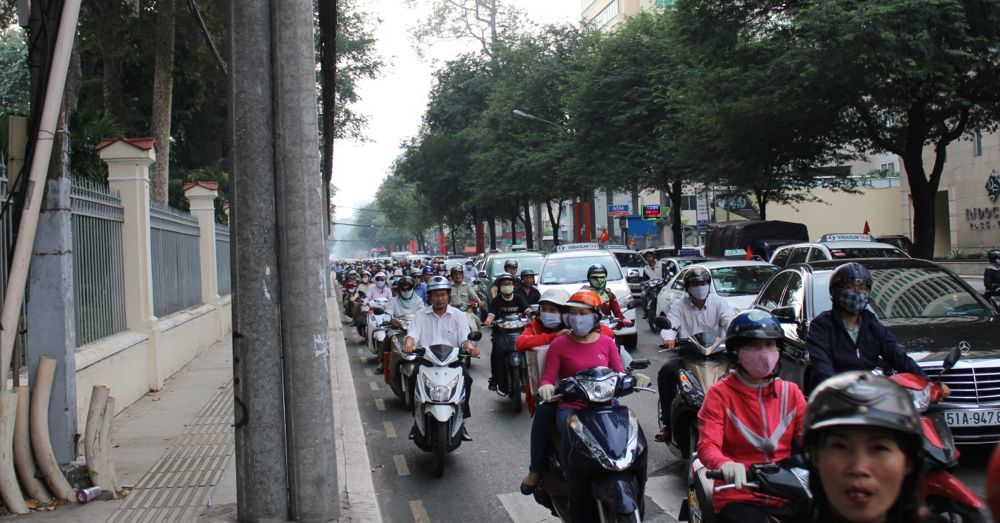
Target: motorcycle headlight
{"x":440,"y":393}
{"x":600,"y":391}
{"x":921,"y":398}
{"x":691,"y":387}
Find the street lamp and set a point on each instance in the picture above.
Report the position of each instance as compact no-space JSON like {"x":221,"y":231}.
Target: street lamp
{"x":522,"y":114}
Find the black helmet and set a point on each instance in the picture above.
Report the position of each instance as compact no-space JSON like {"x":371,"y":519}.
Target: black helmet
{"x":993,"y":255}
{"x":753,"y":325}
{"x":526,"y":272}
{"x":697,"y":275}
{"x":849,"y":272}
{"x":504,"y":276}
{"x":597,"y":268}
{"x":405,"y":281}
{"x":861,"y":399}
{"x":510,"y":263}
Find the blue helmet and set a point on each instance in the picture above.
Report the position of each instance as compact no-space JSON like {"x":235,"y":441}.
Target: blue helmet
{"x":753,"y":325}
{"x":428,"y":270}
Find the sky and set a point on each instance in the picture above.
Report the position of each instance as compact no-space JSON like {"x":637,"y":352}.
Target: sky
{"x":395,"y":101}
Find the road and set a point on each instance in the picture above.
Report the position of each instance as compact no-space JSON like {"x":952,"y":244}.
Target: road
{"x":482,"y":477}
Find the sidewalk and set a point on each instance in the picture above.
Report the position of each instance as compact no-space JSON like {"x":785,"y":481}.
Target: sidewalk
{"x":174,"y":448}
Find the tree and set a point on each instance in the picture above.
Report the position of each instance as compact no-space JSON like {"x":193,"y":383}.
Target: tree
{"x":14,"y":76}
{"x":163,"y":88}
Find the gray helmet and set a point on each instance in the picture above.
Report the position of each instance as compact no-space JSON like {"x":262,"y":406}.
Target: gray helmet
{"x":860,"y":399}
{"x":993,"y":255}
{"x":438,"y":283}
{"x":697,"y":275}
{"x":510,"y":263}
{"x":504,"y":276}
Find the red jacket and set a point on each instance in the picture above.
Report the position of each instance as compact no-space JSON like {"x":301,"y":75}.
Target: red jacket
{"x":535,"y":335}
{"x":731,"y":428}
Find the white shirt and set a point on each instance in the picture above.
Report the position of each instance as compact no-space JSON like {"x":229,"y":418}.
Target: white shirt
{"x":450,"y":328}
{"x":655,"y":272}
{"x":686,"y":320}
{"x":374,"y":292}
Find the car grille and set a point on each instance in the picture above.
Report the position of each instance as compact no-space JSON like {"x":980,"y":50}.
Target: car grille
{"x":971,"y":387}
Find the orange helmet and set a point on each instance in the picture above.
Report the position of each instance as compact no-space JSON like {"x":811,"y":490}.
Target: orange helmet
{"x":585,"y":298}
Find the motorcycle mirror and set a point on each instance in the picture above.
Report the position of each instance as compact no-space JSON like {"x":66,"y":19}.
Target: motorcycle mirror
{"x":784,"y":314}
{"x":661,"y":322}
{"x":639,"y":364}
{"x":482,"y":274}
{"x":954,"y":354}
{"x":475,"y":335}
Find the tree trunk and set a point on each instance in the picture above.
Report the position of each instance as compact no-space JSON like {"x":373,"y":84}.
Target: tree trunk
{"x":163,"y":87}
{"x":923,"y":198}
{"x":761,"y":204}
{"x":529,"y":233}
{"x":675,"y":209}
{"x":513,"y":225}
{"x":554,"y":219}
{"x":328,"y":66}
{"x":609,"y":196}
{"x":492,"y":223}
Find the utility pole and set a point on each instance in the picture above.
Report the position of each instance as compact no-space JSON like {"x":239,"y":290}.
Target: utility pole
{"x":261,"y":468}
{"x":312,"y":462}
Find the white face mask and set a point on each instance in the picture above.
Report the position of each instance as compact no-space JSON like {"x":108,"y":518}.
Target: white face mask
{"x":406,"y":294}
{"x":699,"y":292}
{"x":380,"y":283}
{"x":506,"y":290}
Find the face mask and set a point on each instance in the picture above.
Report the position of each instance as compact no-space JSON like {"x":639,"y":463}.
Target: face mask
{"x":581,"y":324}
{"x":506,"y":290}
{"x":853,"y":302}
{"x":406,"y":294}
{"x":550,"y":320}
{"x":758,"y":363}
{"x":598,"y":283}
{"x":699,"y":292}
{"x":380,"y":283}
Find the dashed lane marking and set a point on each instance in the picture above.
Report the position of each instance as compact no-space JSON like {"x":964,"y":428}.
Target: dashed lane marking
{"x":523,"y":508}
{"x":419,"y":512}
{"x":369,"y":372}
{"x":667,"y":492}
{"x":401,"y":467}
{"x":380,"y":404}
{"x":373,"y":385}
{"x":390,"y":431}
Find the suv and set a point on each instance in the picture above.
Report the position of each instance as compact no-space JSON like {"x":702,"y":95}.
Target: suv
{"x":631,"y":263}
{"x":835,"y":247}
{"x":929,"y":309}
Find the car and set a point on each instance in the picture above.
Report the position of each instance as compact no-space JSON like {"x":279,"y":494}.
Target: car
{"x":835,"y":247}
{"x":493,"y":265}
{"x":737,"y":282}
{"x":566,"y":268}
{"x":631,"y":263}
{"x":669,"y":252}
{"x":674,"y":264}
{"x":928,"y":309}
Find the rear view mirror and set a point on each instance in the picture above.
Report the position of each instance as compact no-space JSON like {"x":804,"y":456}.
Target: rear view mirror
{"x":482,"y":274}
{"x":661,"y":322}
{"x":785,"y":314}
{"x":952,"y":358}
{"x":475,"y":335}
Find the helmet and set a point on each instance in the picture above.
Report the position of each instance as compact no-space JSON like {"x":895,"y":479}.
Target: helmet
{"x":526,"y":272}
{"x":366,"y":273}
{"x":555,"y":296}
{"x":405,"y":281}
{"x":860,"y":399}
{"x":849,"y":272}
{"x":752,"y":325}
{"x":428,"y":270}
{"x":415,"y":273}
{"x":697,"y":275}
{"x":596,"y":268}
{"x":438,"y":283}
{"x":585,"y":298}
{"x":510,"y":263}
{"x":504,"y":276}
{"x":457,"y":268}
{"x":993,"y":255}
{"x":394,"y":282}
{"x":380,"y":274}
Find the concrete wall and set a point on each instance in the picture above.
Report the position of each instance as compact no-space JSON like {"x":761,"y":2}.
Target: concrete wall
{"x":843,"y":212}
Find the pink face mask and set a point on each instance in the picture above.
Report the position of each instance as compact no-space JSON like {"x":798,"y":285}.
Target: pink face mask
{"x":758,"y":363}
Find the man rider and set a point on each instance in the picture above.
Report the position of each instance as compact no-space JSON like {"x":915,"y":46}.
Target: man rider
{"x":507,"y":303}
{"x":991,"y":276}
{"x":421,"y":288}
{"x":653,"y":270}
{"x":850,"y":337}
{"x":471,"y":274}
{"x":509,"y":267}
{"x":699,"y":311}
{"x":443,"y":324}
{"x":461,"y":292}
{"x":597,"y":277}
{"x":405,"y":303}
{"x":527,"y":288}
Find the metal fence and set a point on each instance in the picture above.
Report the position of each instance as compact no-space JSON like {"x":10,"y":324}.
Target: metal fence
{"x":176,"y":260}
{"x":98,"y":271}
{"x":222,"y":266}
{"x":7,"y":249}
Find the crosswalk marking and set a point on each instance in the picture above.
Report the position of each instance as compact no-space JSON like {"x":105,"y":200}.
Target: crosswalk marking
{"x":419,"y":512}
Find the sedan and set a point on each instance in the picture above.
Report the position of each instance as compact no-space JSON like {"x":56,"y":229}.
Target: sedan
{"x":735,"y":281}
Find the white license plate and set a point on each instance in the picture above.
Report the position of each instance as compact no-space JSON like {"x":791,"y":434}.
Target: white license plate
{"x":972,"y":418}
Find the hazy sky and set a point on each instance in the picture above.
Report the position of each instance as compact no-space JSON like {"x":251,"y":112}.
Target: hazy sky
{"x":396,"y":100}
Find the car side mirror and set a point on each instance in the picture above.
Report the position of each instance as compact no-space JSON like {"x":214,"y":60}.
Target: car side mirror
{"x":954,"y":354}
{"x":482,"y":274}
{"x":785,"y":314}
{"x":661,"y":322}
{"x":475,"y":335}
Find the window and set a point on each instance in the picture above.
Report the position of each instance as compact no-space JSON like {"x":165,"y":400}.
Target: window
{"x":607,"y":14}
{"x":817,"y":254}
{"x":678,"y":283}
{"x":664,"y":4}
{"x":794,"y":295}
{"x":889,"y":168}
{"x":781,"y":258}
{"x":978,"y":148}
{"x":799,"y":255}
{"x":689,"y":203}
{"x":741,"y":280}
{"x":770,"y":297}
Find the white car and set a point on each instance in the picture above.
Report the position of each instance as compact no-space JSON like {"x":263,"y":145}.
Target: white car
{"x":835,"y":247}
{"x":567,"y":269}
{"x":735,"y":281}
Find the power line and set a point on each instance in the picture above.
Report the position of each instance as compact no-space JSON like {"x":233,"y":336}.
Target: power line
{"x":359,"y":225}
{"x":335,"y":207}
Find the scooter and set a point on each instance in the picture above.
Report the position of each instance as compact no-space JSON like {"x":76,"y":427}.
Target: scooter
{"x":944,"y":493}
{"x":511,"y":366}
{"x":378,"y":324}
{"x":361,"y":322}
{"x":400,"y":372}
{"x":650,"y":291}
{"x":787,"y":479}
{"x":607,"y":453}
{"x":437,"y":409}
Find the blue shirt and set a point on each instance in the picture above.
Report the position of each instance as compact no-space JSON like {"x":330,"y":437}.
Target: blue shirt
{"x":420,"y":290}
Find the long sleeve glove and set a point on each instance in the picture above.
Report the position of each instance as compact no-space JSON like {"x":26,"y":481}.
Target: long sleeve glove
{"x":641,"y":380}
{"x":734,"y":473}
{"x":546,"y":392}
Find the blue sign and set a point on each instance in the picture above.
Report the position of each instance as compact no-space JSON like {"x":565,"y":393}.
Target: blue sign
{"x":618,"y":211}
{"x":702,"y":227}
{"x":639,"y":227}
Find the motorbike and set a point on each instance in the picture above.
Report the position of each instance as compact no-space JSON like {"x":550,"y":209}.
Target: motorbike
{"x":378,"y":324}
{"x":944,"y":493}
{"x":787,"y":479}
{"x":348,"y":297}
{"x":400,"y":372}
{"x":607,"y":454}
{"x":510,"y":365}
{"x":650,"y":291}
{"x":438,"y":398}
{"x":474,"y":324}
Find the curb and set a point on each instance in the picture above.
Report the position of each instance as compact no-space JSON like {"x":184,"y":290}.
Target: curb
{"x":354,"y":474}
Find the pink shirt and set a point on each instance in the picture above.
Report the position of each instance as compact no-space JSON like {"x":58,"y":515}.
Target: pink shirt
{"x":567,"y":357}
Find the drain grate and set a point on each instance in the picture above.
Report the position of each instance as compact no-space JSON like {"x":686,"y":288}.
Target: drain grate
{"x":181,"y":481}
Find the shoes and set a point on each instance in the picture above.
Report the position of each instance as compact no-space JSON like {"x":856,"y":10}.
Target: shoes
{"x":527,"y":489}
{"x":465,"y":434}
{"x":663,"y":435}
{"x":379,"y":370}
{"x":493,"y":385}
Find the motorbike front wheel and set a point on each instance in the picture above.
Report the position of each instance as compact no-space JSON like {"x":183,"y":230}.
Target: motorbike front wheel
{"x":953,"y":512}
{"x":514,"y":390}
{"x":439,"y":447}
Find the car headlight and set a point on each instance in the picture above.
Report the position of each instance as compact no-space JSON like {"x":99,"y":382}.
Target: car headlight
{"x":439,"y":393}
{"x":600,"y":391}
{"x":921,"y":398}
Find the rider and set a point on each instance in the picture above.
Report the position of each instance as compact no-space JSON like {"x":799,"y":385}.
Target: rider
{"x":421,"y":288}
{"x":991,"y":276}
{"x":462,"y":294}
{"x":527,"y":289}
{"x":443,"y":324}
{"x":849,"y":337}
{"x":697,"y":312}
{"x":750,"y":416}
{"x":597,"y":277}
{"x":405,"y":303}
{"x":653,"y":270}
{"x":380,"y":289}
{"x":863,"y":440}
{"x":509,"y":267}
{"x":505,"y":304}
{"x":471,"y":273}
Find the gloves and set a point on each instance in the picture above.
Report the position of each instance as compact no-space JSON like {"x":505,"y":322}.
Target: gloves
{"x":546,"y":392}
{"x":734,"y":473}
{"x":641,"y":380}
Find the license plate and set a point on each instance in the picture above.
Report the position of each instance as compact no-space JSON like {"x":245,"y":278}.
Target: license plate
{"x":971,"y":418}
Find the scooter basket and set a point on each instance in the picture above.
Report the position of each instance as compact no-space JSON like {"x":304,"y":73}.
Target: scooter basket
{"x":536,"y":366}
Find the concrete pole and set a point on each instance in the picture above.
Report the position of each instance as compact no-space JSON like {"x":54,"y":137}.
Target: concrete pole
{"x":312,"y":462}
{"x":261,"y":468}
{"x":201,"y":197}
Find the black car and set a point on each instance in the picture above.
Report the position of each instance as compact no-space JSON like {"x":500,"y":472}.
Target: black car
{"x":928,"y":308}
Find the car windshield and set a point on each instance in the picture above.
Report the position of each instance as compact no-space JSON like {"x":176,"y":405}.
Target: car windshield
{"x":867,"y":252}
{"x":629,"y":259}
{"x":684,"y":262}
{"x":523,"y":262}
{"x":741,"y":280}
{"x":558,"y":271}
{"x":909,"y":292}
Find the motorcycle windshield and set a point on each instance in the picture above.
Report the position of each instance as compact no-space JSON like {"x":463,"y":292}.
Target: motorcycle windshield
{"x":441,"y":352}
{"x":610,"y":428}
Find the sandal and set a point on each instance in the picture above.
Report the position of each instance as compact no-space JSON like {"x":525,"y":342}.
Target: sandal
{"x":663,"y":435}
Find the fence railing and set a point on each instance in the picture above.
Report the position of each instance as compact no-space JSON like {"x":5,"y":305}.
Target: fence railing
{"x":222,"y":266}
{"x":7,"y":246}
{"x":175,"y":259}
{"x":98,"y":272}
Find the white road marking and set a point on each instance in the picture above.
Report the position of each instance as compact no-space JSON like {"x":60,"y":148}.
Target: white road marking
{"x":665,"y":491}
{"x":390,"y":431}
{"x":401,"y":467}
{"x":380,"y":404}
{"x":373,"y":385}
{"x":419,"y":512}
{"x":369,"y":372}
{"x":668,"y":492}
{"x":524,"y":509}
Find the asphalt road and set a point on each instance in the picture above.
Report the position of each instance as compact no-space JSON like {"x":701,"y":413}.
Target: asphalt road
{"x":481,"y":477}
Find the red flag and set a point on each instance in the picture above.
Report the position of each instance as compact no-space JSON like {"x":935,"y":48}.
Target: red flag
{"x":867,"y":229}
{"x":749,"y":255}
{"x":605,"y":238}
